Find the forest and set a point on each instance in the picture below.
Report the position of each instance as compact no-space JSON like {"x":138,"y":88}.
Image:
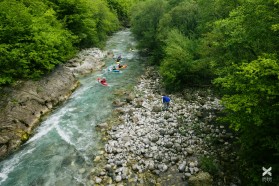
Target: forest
{"x":229,"y":45}
{"x":37,"y":35}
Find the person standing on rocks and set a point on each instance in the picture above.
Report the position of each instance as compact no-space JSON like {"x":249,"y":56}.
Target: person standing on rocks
{"x":166,"y":102}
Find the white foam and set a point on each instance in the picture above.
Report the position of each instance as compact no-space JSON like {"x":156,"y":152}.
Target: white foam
{"x":48,"y":125}
{"x":64,"y":136}
{"x":3,"y":177}
{"x":44,"y":129}
{"x":9,"y":165}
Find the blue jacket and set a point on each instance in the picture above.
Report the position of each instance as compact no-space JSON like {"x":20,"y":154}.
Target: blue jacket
{"x":166,"y":99}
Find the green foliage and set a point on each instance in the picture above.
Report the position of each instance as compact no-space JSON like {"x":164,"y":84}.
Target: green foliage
{"x":252,"y":92}
{"x":244,"y":52}
{"x":145,"y":20}
{"x":182,"y":17}
{"x":122,"y":8}
{"x":32,"y":40}
{"x":208,"y":164}
{"x":37,"y":35}
{"x":90,"y":20}
{"x":244,"y":35}
{"x":181,"y":65}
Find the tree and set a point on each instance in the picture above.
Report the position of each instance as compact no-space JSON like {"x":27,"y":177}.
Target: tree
{"x":145,"y":20}
{"x":32,"y":40}
{"x":181,"y":66}
{"x":244,"y":51}
{"x":90,"y":20}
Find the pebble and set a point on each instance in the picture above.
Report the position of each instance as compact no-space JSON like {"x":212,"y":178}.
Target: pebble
{"x":154,"y":139}
{"x":98,"y":180}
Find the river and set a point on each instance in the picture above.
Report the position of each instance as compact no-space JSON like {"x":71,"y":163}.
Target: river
{"x":62,"y":150}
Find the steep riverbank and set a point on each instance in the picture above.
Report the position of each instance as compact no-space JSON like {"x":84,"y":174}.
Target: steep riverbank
{"x":147,"y":146}
{"x":22,"y":106}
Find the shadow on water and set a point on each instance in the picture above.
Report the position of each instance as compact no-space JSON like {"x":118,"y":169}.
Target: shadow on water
{"x":64,"y":146}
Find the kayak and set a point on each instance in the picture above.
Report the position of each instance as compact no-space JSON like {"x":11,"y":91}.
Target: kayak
{"x":102,"y":83}
{"x":124,"y":66}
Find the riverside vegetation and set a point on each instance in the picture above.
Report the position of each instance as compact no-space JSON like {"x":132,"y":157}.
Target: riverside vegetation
{"x":229,"y":45}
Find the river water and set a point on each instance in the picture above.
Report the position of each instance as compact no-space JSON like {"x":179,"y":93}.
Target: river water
{"x":62,"y":150}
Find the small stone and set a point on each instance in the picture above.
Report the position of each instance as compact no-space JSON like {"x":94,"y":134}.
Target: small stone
{"x":196,"y":169}
{"x":188,"y":174}
{"x":98,"y":180}
{"x":102,"y":173}
{"x":192,"y":164}
{"x":118,"y":178}
{"x":182,"y":166}
{"x":97,"y":158}
{"x":81,"y":171}
{"x":154,"y":138}
{"x":174,"y":159}
{"x":118,"y":163}
{"x":168,"y":145}
{"x":189,"y":150}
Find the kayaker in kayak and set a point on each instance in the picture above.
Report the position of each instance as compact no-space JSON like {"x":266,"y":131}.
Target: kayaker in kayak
{"x":103,"y":81}
{"x":120,"y":66}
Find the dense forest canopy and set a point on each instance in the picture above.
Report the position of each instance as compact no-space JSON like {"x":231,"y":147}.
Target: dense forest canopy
{"x":37,"y":35}
{"x":232,"y":45}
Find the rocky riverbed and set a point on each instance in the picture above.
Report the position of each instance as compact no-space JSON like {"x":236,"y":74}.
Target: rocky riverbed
{"x":23,"y":105}
{"x":144,"y":145}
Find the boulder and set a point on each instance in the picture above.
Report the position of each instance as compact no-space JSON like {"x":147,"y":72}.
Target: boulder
{"x":201,"y":179}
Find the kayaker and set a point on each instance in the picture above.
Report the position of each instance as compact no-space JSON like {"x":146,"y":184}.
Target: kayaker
{"x":118,"y":58}
{"x":166,"y":102}
{"x":120,"y":66}
{"x":103,"y":81}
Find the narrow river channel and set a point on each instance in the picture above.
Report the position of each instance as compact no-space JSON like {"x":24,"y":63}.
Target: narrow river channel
{"x":63,"y":148}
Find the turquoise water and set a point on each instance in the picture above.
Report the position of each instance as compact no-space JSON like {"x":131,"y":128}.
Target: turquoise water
{"x":63,"y":148}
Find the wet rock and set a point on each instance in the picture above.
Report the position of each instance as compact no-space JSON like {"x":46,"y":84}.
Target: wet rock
{"x":117,"y":103}
{"x":102,"y":125}
{"x":81,"y":171}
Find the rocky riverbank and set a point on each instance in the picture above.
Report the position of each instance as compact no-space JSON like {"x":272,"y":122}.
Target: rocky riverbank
{"x":147,"y":146}
{"x":23,"y":105}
